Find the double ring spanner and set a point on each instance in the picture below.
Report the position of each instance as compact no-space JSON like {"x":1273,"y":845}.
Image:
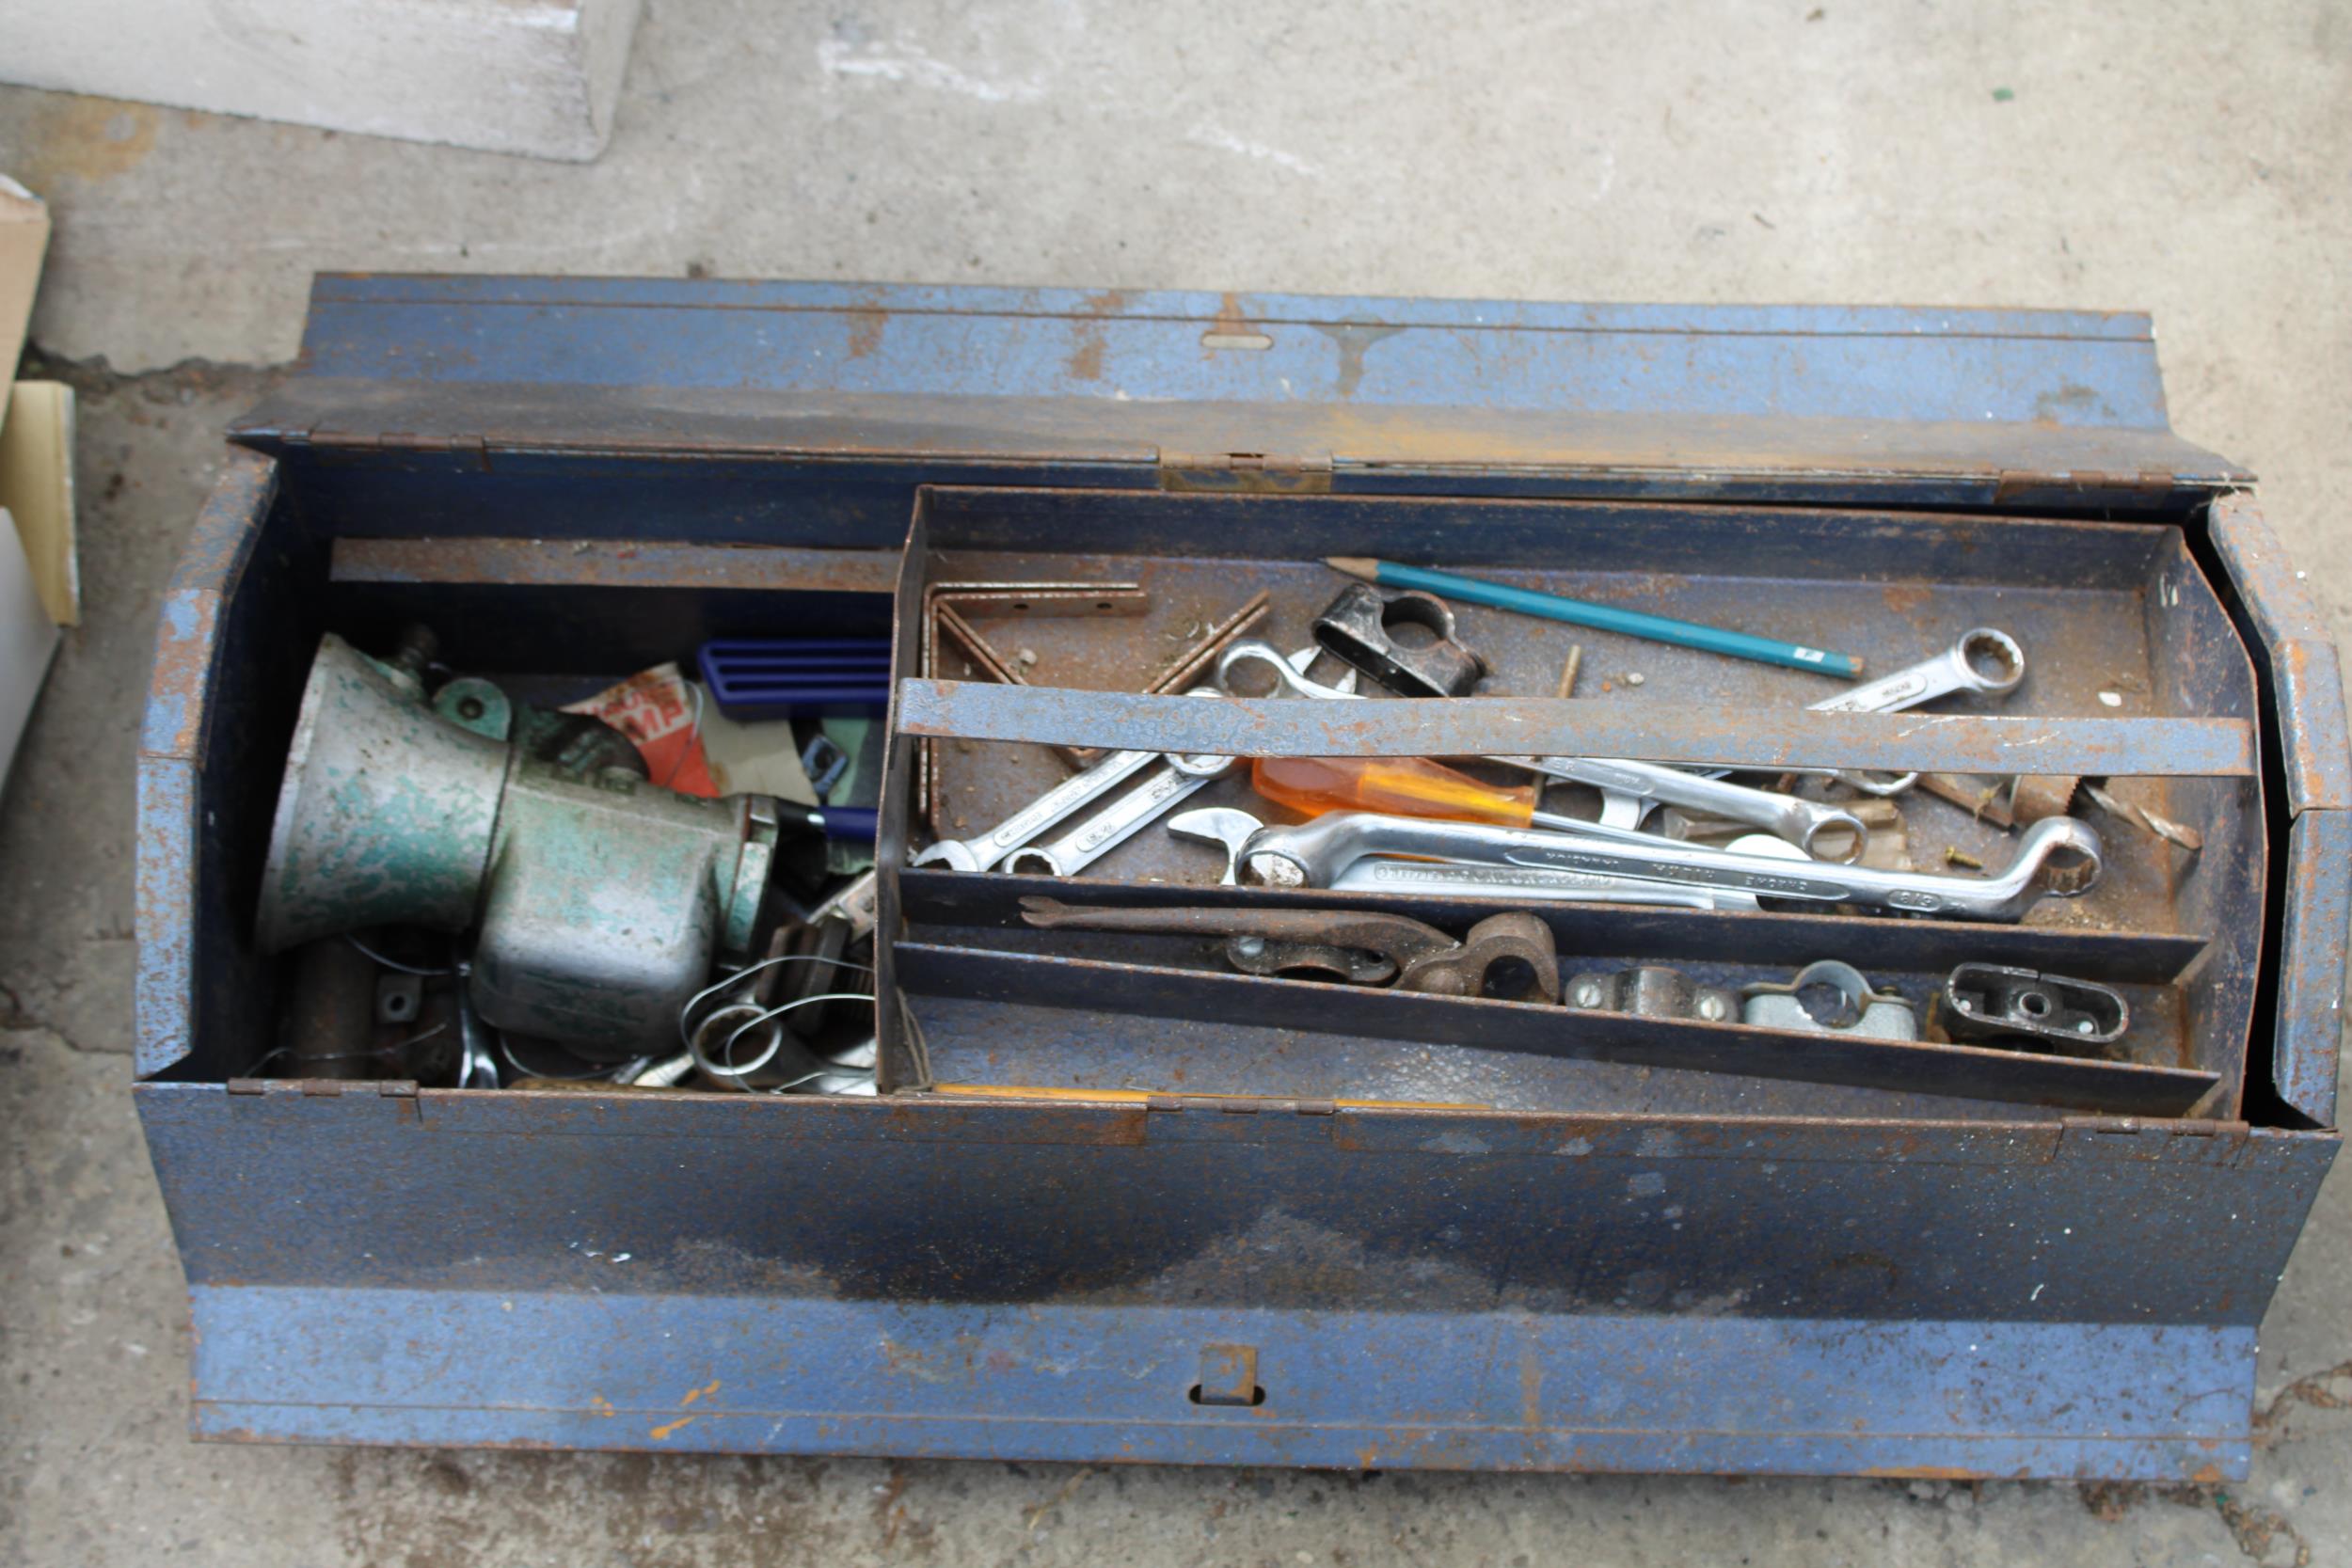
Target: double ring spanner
{"x":1107,"y":829}
{"x":1231,"y":828}
{"x":2058,"y":854}
{"x":1629,"y":789}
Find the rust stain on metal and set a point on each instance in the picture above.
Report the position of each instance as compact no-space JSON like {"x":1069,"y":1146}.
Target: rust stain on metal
{"x":667,"y":1429}
{"x":614,"y":564}
{"x":1354,"y":339}
{"x":866,"y":331}
{"x":183,"y":654}
{"x":1090,"y":341}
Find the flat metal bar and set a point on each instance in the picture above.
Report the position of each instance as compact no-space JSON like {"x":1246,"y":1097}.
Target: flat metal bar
{"x":614,"y":563}
{"x":1657,"y":732}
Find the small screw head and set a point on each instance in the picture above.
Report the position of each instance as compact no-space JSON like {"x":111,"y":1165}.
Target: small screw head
{"x":1587,"y":993}
{"x":2084,"y":1026}
{"x":1711,"y":1008}
{"x":1249,"y":947}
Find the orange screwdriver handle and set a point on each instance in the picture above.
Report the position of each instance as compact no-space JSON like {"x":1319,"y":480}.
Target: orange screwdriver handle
{"x":1396,"y":787}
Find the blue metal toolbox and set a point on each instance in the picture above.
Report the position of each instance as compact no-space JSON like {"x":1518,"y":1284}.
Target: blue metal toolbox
{"x":1112,"y":1203}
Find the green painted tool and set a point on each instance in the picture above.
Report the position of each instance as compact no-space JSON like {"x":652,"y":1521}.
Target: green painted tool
{"x":1601,"y":617}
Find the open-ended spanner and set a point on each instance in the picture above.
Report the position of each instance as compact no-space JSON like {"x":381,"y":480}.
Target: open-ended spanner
{"x":1111,"y":827}
{"x":1630,"y":790}
{"x":2058,"y":855}
{"x":1072,"y":795}
{"x":1231,"y":828}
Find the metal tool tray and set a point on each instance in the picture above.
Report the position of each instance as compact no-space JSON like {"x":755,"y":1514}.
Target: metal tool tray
{"x":1641,"y":1257}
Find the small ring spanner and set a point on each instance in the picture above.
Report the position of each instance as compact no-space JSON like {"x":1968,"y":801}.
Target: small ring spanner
{"x":1629,"y":789}
{"x":1953,"y":670}
{"x":1111,"y":827}
{"x":1074,"y":793}
{"x":2058,"y":854}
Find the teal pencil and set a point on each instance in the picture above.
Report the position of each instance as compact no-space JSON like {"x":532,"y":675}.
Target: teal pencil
{"x":1601,"y":617}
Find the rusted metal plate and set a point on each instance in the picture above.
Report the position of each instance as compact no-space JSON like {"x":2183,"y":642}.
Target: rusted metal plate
{"x":614,"y":563}
{"x":1848,"y":1263}
{"x":1121,"y":1208}
{"x":171,"y":740}
{"x":1659,"y":731}
{"x":2299,"y":652}
{"x":1622,"y":1390}
{"x":1258,"y":390}
{"x":2311,"y":968}
{"x":2309,"y":680}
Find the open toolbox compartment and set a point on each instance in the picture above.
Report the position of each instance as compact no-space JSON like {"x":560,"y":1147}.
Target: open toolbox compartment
{"x":1171,"y":1211}
{"x":2111,"y":620}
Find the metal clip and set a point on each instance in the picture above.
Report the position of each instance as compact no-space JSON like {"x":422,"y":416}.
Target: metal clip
{"x":1356,"y":629}
{"x":1863,"y":1009}
{"x":1653,"y":991}
{"x":1989,"y":1001}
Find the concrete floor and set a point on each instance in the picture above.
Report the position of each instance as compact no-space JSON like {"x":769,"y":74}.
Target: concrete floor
{"x":2196,"y":161}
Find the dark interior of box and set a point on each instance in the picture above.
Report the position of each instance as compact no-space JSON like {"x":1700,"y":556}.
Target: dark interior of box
{"x":2115,"y":619}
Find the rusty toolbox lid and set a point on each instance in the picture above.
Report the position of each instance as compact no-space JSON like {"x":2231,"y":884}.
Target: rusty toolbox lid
{"x":1947,"y":407}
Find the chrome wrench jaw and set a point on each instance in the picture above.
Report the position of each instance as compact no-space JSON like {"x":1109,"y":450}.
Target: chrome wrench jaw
{"x":1072,"y":795}
{"x":1098,"y":834}
{"x":1227,"y":827}
{"x":1954,"y":670}
{"x":1290,"y":676}
{"x":2058,"y":855}
{"x":1177,"y":780}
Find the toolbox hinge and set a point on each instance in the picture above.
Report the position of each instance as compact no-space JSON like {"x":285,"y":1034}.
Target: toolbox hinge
{"x":2178,"y":1142}
{"x":470,"y":446}
{"x":1248,"y":472}
{"x":2140,"y":491}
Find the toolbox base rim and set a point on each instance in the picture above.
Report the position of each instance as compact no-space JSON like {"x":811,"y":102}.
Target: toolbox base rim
{"x":1583,"y":1392}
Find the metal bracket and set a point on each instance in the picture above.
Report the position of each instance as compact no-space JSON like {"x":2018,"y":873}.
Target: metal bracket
{"x":1653,"y":991}
{"x":1990,"y":1001}
{"x":1355,"y":628}
{"x":1865,"y":1010}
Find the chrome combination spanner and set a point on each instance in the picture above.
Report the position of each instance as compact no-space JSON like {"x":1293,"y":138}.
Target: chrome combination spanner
{"x":2058,"y":855}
